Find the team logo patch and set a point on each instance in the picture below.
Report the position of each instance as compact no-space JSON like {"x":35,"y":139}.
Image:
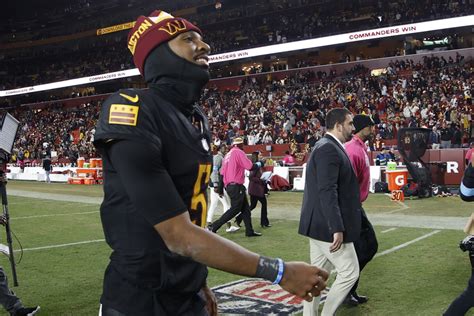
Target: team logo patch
{"x":257,"y":297}
{"x":123,"y":114}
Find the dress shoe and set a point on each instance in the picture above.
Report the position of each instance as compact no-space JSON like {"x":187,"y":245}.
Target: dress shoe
{"x":361,"y":299}
{"x":351,"y":301}
{"x":253,"y":234}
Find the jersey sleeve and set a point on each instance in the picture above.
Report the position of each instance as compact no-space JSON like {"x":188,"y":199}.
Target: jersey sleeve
{"x":125,"y":115}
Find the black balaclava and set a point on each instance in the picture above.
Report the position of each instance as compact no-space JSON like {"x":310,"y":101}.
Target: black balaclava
{"x":174,"y":78}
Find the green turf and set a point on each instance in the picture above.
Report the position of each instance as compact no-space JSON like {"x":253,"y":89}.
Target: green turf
{"x":420,"y":279}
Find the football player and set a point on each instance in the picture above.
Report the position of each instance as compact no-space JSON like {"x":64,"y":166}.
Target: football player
{"x":157,"y":162}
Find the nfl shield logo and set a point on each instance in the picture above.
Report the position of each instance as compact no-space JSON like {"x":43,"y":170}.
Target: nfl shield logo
{"x":257,"y":297}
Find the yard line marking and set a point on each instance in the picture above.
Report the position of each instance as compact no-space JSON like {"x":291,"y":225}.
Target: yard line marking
{"x":50,"y":215}
{"x":386,"y":252}
{"x":62,"y":245}
{"x":388,"y":230}
{"x":403,"y":206}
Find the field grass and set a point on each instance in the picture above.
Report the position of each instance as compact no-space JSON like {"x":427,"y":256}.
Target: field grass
{"x":419,"y":279}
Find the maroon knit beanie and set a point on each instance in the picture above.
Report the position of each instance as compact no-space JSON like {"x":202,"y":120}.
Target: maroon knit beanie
{"x":149,"y":32}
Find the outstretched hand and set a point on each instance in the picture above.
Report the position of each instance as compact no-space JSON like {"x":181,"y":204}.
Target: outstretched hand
{"x":304,"y":280}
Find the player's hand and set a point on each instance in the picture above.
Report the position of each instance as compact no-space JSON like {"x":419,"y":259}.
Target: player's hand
{"x":211,"y":302}
{"x":336,"y":242}
{"x":304,"y":280}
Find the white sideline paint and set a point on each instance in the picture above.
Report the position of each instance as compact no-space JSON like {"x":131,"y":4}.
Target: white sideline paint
{"x":388,"y":230}
{"x":386,"y":252}
{"x":52,"y":215}
{"x":63,"y":245}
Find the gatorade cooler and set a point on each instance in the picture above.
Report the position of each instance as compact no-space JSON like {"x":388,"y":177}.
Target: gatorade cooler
{"x":80,"y":162}
{"x":98,"y":162}
{"x":396,"y":178}
{"x":93,"y":163}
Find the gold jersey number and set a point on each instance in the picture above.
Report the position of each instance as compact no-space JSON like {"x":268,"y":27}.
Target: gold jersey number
{"x":199,"y":201}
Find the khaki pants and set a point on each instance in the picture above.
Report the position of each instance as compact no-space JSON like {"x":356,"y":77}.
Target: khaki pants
{"x":347,"y":267}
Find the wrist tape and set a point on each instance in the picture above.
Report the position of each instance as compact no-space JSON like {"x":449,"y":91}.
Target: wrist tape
{"x":270,"y":269}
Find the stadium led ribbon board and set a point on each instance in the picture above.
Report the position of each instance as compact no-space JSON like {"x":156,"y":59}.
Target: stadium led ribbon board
{"x":272,"y":49}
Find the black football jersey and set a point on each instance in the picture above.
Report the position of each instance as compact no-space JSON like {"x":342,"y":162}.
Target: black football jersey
{"x":140,"y":256}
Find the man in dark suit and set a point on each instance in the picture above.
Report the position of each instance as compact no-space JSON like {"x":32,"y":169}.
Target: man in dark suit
{"x":331,"y":211}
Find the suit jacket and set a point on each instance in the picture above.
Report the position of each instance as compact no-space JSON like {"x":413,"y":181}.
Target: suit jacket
{"x":331,"y":200}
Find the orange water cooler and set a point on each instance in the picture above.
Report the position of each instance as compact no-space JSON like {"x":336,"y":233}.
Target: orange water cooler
{"x":80,"y":162}
{"x":396,"y":178}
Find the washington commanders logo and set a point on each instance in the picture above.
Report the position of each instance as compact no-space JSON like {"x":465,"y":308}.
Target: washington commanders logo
{"x":173,"y":27}
{"x":257,"y":297}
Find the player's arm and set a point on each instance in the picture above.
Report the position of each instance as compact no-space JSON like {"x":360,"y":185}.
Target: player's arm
{"x":152,"y":192}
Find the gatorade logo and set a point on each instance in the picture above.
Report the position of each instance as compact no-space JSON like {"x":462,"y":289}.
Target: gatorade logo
{"x":400,"y":180}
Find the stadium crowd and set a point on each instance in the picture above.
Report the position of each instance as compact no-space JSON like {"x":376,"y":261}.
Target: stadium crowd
{"x":65,"y":133}
{"x":435,"y":93}
{"x":249,"y":24}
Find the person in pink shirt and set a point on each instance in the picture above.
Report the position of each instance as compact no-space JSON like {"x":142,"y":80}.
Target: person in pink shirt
{"x":233,"y":175}
{"x":366,"y":247}
{"x":288,"y":159}
{"x":469,"y":153}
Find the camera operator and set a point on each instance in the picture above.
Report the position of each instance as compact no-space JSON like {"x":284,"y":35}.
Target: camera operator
{"x":465,"y":301}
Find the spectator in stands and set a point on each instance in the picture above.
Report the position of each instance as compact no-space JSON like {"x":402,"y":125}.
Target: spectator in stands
{"x":283,"y":115}
{"x":434,"y":138}
{"x":457,"y":136}
{"x":446,"y":136}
